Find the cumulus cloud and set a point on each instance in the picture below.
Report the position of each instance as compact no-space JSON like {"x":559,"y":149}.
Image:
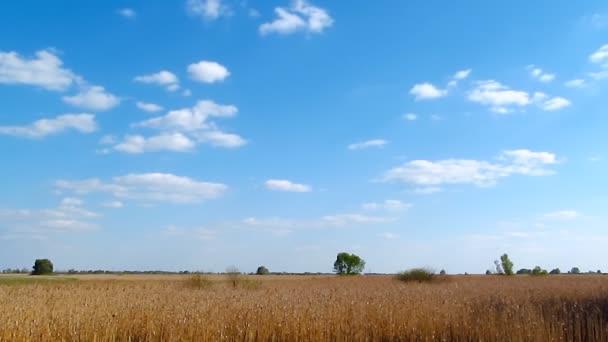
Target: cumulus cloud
{"x":113,"y":204}
{"x":189,"y":119}
{"x":367,"y":144}
{"x":300,"y":16}
{"x":600,"y":56}
{"x":410,"y":116}
{"x":476,"y":172}
{"x":148,"y":107}
{"x":161,"y":187}
{"x":555,"y":103}
{"x":175,"y":142}
{"x":462,"y":74}
{"x":576,"y":83}
{"x":220,"y":139}
{"x":45,"y":70}
{"x":93,"y":98}
{"x":538,"y":74}
{"x":286,"y":185}
{"x":208,"y":72}
{"x":354,"y":218}
{"x":427,"y":91}
{"x":499,"y":97}
{"x":163,"y":78}
{"x":84,"y":123}
{"x":207,"y":9}
{"x":127,"y":13}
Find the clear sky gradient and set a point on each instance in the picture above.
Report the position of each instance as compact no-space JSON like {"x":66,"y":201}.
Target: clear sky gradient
{"x":200,"y":134}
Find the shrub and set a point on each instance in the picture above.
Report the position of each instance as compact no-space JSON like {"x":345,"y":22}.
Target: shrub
{"x":262,"y":270}
{"x":416,"y":274}
{"x":42,"y":266}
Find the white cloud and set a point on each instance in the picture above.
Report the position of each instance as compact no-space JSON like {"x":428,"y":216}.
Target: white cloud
{"x":69,"y":216}
{"x":540,"y":75}
{"x":175,"y":142}
{"x":462,"y":74}
{"x":163,"y":78}
{"x":199,"y":233}
{"x":45,"y":70}
{"x":600,"y":55}
{"x":600,"y":75}
{"x":555,"y":103}
{"x":162,"y":187}
{"x":576,"y":83}
{"x":220,"y":139}
{"x":127,"y":13}
{"x":208,"y":72}
{"x":499,"y":97}
{"x":301,"y":16}
{"x":410,"y":116}
{"x":425,"y":91}
{"x":148,"y":107}
{"x":390,"y":205}
{"x":113,"y":204}
{"x":466,"y":171}
{"x":207,"y":9}
{"x":84,"y":123}
{"x":188,"y":119}
{"x":286,"y":185}
{"x":562,"y":215}
{"x":367,"y":144}
{"x":107,"y":140}
{"x":93,"y":98}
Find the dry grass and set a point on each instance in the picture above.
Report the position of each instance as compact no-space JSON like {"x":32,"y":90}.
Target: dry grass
{"x":317,"y":308}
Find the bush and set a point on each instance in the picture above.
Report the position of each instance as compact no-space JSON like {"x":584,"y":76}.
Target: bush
{"x":42,"y":266}
{"x":262,"y":270}
{"x":416,"y":274}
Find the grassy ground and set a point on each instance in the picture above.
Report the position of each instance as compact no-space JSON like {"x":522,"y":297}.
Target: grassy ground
{"x":303,"y":308}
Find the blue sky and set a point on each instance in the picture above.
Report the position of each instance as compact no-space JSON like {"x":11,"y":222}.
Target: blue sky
{"x":201,"y":134}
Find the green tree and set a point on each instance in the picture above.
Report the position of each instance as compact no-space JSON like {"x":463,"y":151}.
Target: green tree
{"x":262,"y":270}
{"x":539,"y":271}
{"x":507,"y":264}
{"x":347,"y":264}
{"x":42,"y":266}
{"x":443,"y":272}
{"x":555,"y":271}
{"x":575,"y":270}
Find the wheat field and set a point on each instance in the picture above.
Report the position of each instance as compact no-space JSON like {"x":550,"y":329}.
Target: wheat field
{"x":304,"y":308}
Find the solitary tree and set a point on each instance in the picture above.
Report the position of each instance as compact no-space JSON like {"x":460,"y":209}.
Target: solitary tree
{"x":262,"y":270}
{"x":575,"y":270}
{"x":348,"y":264}
{"x":42,"y":266}
{"x":507,"y":264}
{"x":555,"y":271}
{"x":443,"y":272}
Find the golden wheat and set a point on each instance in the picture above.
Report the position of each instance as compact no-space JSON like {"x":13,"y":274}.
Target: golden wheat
{"x":299,"y":308}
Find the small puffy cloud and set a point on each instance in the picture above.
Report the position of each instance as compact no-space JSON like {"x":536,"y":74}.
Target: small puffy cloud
{"x":539,"y":74}
{"x":562,"y":215}
{"x":163,"y":78}
{"x":600,"y":56}
{"x":45,"y":70}
{"x":127,"y":13}
{"x":113,"y":204}
{"x":162,"y":187}
{"x":190,"y":118}
{"x":300,"y":16}
{"x":576,"y":83}
{"x":498,"y":97}
{"x":462,"y":74}
{"x":476,"y":172}
{"x":555,"y":103}
{"x":84,"y":123}
{"x":93,"y":98}
{"x":148,"y":107}
{"x":208,"y":72}
{"x":175,"y":142}
{"x":353,"y":218}
{"x":427,"y":91}
{"x":286,"y":185}
{"x":427,"y":190}
{"x":410,"y":116}
{"x":389,"y":205}
{"x":367,"y":144}
{"x":207,"y":9}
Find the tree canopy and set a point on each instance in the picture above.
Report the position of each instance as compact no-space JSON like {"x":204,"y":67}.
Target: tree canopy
{"x":347,"y":264}
{"x":42,"y":266}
